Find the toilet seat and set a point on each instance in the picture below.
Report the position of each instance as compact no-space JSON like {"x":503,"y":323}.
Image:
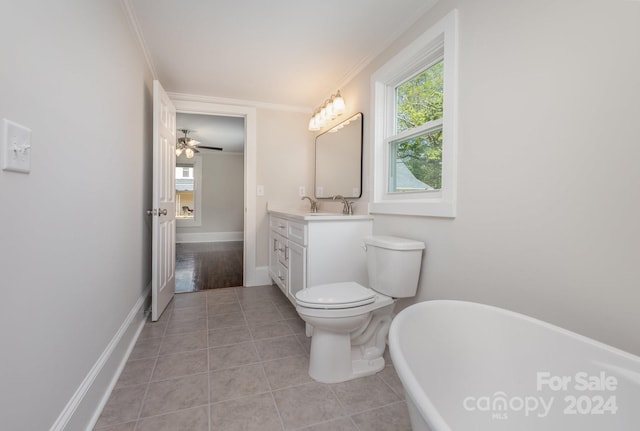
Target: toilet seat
{"x":335,"y":296}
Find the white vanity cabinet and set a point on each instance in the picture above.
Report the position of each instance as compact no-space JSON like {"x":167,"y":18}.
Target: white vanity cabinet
{"x":307,"y":250}
{"x":282,"y":250}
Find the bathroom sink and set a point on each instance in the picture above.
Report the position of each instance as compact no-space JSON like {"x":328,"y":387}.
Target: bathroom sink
{"x":323,"y":214}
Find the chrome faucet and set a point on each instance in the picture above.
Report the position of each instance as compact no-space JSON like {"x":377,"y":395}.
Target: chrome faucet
{"x":313,"y":202}
{"x":348,"y":206}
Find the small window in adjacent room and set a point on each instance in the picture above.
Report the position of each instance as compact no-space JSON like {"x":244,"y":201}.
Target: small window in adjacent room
{"x":185,"y":192}
{"x":415,"y":126}
{"x":189,"y":193}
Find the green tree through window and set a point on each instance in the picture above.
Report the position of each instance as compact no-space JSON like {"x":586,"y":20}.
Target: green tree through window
{"x":419,"y":103}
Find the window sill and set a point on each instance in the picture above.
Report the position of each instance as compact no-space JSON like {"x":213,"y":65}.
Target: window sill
{"x":420,"y":208}
{"x":181,"y":222}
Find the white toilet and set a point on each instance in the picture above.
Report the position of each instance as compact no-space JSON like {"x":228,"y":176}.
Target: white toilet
{"x":351,"y":322}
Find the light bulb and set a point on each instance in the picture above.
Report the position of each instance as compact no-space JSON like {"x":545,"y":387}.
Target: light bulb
{"x":338,"y":104}
{"x":178,"y":152}
{"x":323,"y":115}
{"x":313,"y":124}
{"x":330,"y":112}
{"x":189,"y":153}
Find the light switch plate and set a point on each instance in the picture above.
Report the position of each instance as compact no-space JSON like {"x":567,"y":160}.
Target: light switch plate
{"x":260,"y":190}
{"x":301,"y":191}
{"x":16,"y":147}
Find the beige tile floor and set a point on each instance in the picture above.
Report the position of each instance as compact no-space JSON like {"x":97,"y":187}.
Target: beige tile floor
{"x":237,"y":359}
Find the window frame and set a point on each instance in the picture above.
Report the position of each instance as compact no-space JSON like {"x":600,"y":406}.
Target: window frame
{"x":427,"y":128}
{"x":439,"y":42}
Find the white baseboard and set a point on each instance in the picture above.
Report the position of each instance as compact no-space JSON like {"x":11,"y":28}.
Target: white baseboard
{"x":259,"y":277}
{"x":182,"y":237}
{"x":84,"y":408}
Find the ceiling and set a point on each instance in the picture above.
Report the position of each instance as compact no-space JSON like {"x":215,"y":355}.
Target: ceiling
{"x":213,"y":131}
{"x":287,"y":52}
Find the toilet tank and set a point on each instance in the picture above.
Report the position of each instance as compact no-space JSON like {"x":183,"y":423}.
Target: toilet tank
{"x":393,"y":265}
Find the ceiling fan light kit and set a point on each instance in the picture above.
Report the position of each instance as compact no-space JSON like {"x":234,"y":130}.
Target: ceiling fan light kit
{"x":188,"y":146}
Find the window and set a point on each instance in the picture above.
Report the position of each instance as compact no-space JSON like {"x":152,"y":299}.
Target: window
{"x":415,"y":126}
{"x":188,"y":193}
{"x":415,"y":148}
{"x":185,"y":187}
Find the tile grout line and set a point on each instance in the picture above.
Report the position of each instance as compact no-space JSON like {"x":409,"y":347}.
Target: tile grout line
{"x":155,"y":363}
{"x":342,"y":405}
{"x":158,"y":415}
{"x":157,"y":357}
{"x":375,"y":408}
{"x":255,"y":304}
{"x":169,"y":320}
{"x":271,"y":390}
{"x":273,"y":398}
{"x":264,"y":373}
{"x":400,"y":396}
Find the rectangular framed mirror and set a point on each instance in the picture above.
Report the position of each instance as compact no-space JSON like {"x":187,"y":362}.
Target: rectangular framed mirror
{"x":339,"y":160}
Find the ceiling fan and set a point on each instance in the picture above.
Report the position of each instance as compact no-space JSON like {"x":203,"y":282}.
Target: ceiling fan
{"x":190,"y":146}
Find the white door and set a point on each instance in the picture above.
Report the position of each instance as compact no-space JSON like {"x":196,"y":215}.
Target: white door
{"x":163,"y":281}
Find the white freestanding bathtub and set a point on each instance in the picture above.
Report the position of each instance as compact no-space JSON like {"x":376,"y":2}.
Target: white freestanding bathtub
{"x":467,"y":366}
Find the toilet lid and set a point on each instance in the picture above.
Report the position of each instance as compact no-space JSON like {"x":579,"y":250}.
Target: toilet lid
{"x":336,"y":295}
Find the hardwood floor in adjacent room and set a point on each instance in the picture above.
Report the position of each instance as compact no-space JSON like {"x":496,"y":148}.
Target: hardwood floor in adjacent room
{"x":208,"y":265}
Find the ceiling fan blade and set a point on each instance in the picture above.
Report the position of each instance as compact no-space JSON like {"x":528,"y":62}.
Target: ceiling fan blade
{"x":210,"y":148}
{"x":186,"y":140}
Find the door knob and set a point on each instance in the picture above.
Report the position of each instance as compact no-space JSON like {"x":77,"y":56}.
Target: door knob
{"x":158,"y":212}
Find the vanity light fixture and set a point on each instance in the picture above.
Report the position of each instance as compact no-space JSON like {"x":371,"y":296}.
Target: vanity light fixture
{"x":331,"y":108}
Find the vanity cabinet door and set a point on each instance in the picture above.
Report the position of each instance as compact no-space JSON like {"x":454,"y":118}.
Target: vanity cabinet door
{"x":277,"y":271}
{"x":297,"y":269}
{"x":282,"y":278}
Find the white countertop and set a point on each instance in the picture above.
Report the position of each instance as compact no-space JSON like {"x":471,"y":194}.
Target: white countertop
{"x":301,"y":215}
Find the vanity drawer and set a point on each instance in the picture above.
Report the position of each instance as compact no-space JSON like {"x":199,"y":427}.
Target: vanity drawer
{"x":297,"y":232}
{"x":279,"y":248}
{"x":279,"y":225}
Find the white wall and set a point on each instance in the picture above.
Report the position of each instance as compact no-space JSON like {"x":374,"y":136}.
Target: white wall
{"x":547,"y":208}
{"x":548,"y":212}
{"x":285,"y":151}
{"x":222,"y":195}
{"x":74,"y":240}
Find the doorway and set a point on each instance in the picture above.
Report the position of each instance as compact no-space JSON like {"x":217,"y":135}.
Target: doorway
{"x":209,"y":183}
{"x":252,"y":275}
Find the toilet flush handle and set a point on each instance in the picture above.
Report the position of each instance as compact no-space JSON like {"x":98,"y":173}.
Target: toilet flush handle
{"x":364,"y":247}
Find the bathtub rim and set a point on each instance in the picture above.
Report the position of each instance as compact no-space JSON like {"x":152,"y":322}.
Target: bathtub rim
{"x":418,"y":395}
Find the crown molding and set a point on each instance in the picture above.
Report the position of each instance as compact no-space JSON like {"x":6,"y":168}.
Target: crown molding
{"x":393,"y":36}
{"x":135,"y":26}
{"x":238,"y":102}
